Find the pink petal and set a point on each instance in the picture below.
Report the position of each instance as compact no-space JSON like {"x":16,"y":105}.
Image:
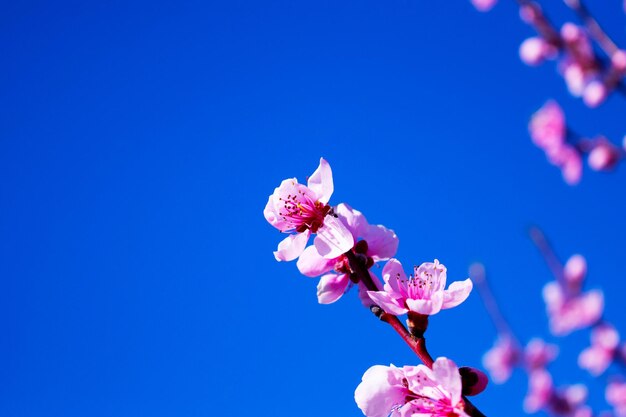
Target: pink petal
{"x":392,"y":271}
{"x":331,"y":287}
{"x":382,"y":242}
{"x":353,"y":219}
{"x":427,"y":307}
{"x":380,"y":391}
{"x":312,"y":264}
{"x":321,"y":182}
{"x":291,"y":247}
{"x":333,"y":238}
{"x":456,"y":293}
{"x":387,"y":302}
{"x":447,"y":374}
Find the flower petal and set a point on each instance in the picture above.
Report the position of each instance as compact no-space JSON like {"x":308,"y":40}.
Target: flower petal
{"x":382,"y":242}
{"x":312,"y":264}
{"x":333,"y":238}
{"x":321,"y":182}
{"x":392,"y":272}
{"x":380,"y":391}
{"x":291,"y":247}
{"x":353,"y":219}
{"x":331,"y":287}
{"x":456,"y":293}
{"x":427,"y":307}
{"x":387,"y":302}
{"x":447,"y":374}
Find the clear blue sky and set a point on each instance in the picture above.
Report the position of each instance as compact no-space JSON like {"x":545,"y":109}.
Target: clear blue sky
{"x":139,"y":142}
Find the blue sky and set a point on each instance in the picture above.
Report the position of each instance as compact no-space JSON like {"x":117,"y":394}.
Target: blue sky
{"x":139,"y":142}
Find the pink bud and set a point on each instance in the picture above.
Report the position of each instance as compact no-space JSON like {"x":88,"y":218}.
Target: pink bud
{"x":571,"y":32}
{"x":529,"y":13}
{"x":603,"y":156}
{"x":484,"y":5}
{"x":618,"y":60}
{"x":474,"y":381}
{"x":533,"y":51}
{"x":575,"y":270}
{"x":595,"y":93}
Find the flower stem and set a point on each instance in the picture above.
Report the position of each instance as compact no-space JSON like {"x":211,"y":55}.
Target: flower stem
{"x":592,"y":25}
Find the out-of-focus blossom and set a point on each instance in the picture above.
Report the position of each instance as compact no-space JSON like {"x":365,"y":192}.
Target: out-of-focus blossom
{"x":539,"y":391}
{"x":484,"y":5}
{"x":423,"y":292}
{"x":579,"y":65}
{"x":501,"y":359}
{"x":616,"y":396}
{"x":538,"y":354}
{"x":411,"y":391}
{"x":569,"y":312}
{"x":604,"y":155}
{"x":533,"y":51}
{"x":575,"y":271}
{"x":377,"y":243}
{"x":604,"y":348}
{"x":595,"y":93}
{"x":301,"y":210}
{"x":548,"y":131}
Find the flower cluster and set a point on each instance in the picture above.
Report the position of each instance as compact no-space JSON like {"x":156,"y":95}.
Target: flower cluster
{"x":345,"y":247}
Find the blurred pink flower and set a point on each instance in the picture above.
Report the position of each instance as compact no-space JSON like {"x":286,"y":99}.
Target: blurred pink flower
{"x":501,"y":359}
{"x":423,"y":292}
{"x":575,"y":271}
{"x":411,"y":391}
{"x":604,"y":155}
{"x":569,"y":312}
{"x":540,"y":391}
{"x":538,"y":354}
{"x":547,"y":126}
{"x":604,"y":348}
{"x":616,"y":396}
{"x":294,"y":207}
{"x":533,"y":51}
{"x":484,"y":5}
{"x":377,"y":244}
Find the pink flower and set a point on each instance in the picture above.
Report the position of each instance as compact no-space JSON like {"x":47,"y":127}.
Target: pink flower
{"x":501,"y":359}
{"x":547,"y":126}
{"x":411,"y":391}
{"x":540,"y":391}
{"x":604,"y":155}
{"x":538,"y":354}
{"x":377,"y":244}
{"x":571,"y":312}
{"x":422,"y":292}
{"x":616,"y":396}
{"x":294,"y":207}
{"x":604,"y":344}
{"x":575,"y":271}
{"x":484,"y":5}
{"x":533,"y":51}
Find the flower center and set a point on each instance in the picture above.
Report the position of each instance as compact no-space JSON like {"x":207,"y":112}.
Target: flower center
{"x":302,"y":213}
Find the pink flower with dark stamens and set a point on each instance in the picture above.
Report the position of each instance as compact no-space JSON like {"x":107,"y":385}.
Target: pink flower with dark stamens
{"x":603,"y":350}
{"x":412,"y":391}
{"x":423,"y":292}
{"x":303,"y":210}
{"x":501,"y":359}
{"x":569,"y":312}
{"x":377,"y":243}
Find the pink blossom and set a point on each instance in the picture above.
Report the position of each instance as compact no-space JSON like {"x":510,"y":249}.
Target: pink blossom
{"x":574,"y":271}
{"x":579,"y":65}
{"x":301,"y":209}
{"x":533,"y":51}
{"x":571,"y":312}
{"x":538,"y":354}
{"x":411,"y":391}
{"x":604,"y":344}
{"x":616,"y":396}
{"x":547,"y":126}
{"x":501,"y":359}
{"x":540,"y":391}
{"x":604,"y":155}
{"x":423,"y":292}
{"x":595,"y":93}
{"x":377,"y":244}
{"x":484,"y":5}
